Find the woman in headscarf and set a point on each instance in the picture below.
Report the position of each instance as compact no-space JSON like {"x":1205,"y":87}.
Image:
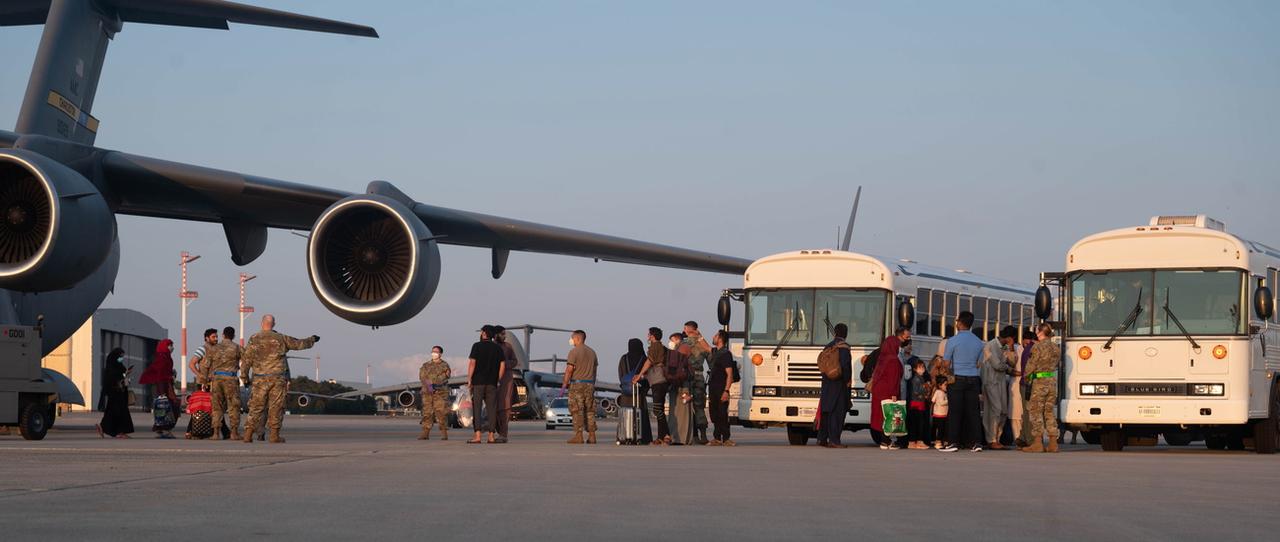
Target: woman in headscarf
{"x":114,"y":400}
{"x":628,"y":367}
{"x":886,"y":383}
{"x":159,"y":375}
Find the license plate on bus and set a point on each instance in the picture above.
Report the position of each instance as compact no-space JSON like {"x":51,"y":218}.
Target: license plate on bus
{"x":1149,"y":411}
{"x":808,"y":412}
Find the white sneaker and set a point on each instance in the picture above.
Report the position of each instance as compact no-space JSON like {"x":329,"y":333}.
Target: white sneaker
{"x":894,"y":447}
{"x":976,"y":448}
{"x":948,"y":448}
{"x":884,"y":446}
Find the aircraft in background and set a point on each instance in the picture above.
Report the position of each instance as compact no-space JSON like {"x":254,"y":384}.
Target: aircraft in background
{"x":533,"y":389}
{"x":372,"y":258}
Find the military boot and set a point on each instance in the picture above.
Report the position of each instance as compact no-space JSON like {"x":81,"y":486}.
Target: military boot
{"x":444,"y":434}
{"x":591,"y":438}
{"x":275,"y":437}
{"x":235,"y":436}
{"x":1035,"y":447}
{"x":1053,"y":446}
{"x":426,"y":434}
{"x":577,"y":438}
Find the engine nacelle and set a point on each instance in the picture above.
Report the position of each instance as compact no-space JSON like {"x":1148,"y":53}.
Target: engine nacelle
{"x":304,"y":401}
{"x":407,"y":399}
{"x":55,"y":227}
{"x":372,"y":261}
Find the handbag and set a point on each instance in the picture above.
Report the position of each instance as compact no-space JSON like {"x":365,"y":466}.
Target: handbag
{"x":895,"y":414}
{"x":132,"y":398}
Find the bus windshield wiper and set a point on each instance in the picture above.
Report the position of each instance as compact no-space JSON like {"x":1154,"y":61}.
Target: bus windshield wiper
{"x":1128,"y":321}
{"x":791,"y":328}
{"x":1177,"y":322}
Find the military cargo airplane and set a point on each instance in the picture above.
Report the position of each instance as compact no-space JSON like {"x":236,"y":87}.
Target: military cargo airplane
{"x":372,"y":258}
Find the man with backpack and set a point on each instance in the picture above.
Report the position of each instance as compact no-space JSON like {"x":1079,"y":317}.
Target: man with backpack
{"x":833,"y":402}
{"x":724,"y":372}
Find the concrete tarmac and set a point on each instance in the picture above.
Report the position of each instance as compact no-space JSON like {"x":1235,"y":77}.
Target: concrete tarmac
{"x":363,"y":477}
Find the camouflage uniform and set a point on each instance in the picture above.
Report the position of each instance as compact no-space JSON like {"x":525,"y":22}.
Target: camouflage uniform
{"x":697,"y":369}
{"x":582,"y":405}
{"x":264,"y":359}
{"x":1044,"y":392}
{"x":435,"y":403}
{"x":222,"y":365}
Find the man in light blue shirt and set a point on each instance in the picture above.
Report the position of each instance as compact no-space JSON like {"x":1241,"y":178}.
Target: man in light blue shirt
{"x":963,"y":418}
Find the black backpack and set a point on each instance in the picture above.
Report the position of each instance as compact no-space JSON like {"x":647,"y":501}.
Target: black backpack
{"x":869,"y":368}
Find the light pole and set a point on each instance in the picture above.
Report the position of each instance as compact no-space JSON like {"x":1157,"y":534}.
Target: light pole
{"x":366,"y":374}
{"x":185,"y":297}
{"x":317,"y":367}
{"x":244,"y":309}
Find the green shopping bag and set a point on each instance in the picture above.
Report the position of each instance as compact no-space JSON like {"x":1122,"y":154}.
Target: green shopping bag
{"x":895,"y":417}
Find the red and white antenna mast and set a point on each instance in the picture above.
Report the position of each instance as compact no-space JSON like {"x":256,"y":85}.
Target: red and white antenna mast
{"x":244,"y":309}
{"x":185,"y":297}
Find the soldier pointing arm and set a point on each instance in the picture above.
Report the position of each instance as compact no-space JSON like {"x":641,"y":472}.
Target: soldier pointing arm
{"x":265,"y":357}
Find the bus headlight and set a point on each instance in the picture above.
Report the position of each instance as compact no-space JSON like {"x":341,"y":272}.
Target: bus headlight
{"x":1206,"y":389}
{"x":1096,"y":389}
{"x":765,"y":391}
{"x":1085,"y":352}
{"x":1219,"y":351}
{"x":860,"y":393}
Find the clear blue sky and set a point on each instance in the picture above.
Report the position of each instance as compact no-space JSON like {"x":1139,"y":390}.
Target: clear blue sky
{"x":988,"y":135}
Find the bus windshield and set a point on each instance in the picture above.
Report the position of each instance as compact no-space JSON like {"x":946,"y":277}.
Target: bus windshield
{"x":799,"y":317}
{"x":1205,"y":302}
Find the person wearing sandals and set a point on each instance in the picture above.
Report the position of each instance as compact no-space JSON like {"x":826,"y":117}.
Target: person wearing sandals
{"x":719,"y":382}
{"x":114,"y":402}
{"x":483,"y":376}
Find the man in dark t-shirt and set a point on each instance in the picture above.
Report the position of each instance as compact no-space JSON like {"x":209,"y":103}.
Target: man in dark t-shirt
{"x":721,"y":378}
{"x":486,"y":369}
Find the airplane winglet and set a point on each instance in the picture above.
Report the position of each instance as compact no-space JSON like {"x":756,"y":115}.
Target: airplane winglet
{"x":214,"y":14}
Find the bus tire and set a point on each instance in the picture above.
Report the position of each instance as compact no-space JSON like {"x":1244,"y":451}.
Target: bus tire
{"x":1177,"y":439}
{"x":1113,"y":440}
{"x":1215,"y":442}
{"x":797,"y":436}
{"x":1091,"y":437}
{"x":1266,"y":432}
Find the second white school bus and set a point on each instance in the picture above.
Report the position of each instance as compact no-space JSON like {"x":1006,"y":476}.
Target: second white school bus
{"x":792,"y":300}
{"x":1171,"y":329}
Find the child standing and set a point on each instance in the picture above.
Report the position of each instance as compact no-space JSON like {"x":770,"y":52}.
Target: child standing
{"x":940,"y":410}
{"x":917,"y":413}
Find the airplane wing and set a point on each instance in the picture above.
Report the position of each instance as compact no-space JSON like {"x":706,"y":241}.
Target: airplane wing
{"x":372,"y":257}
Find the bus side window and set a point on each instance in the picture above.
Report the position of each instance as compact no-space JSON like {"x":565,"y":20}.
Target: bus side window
{"x":1273,"y":276}
{"x":980,"y":317}
{"x":922,"y":312}
{"x":952,"y":311}
{"x":936,"y":314}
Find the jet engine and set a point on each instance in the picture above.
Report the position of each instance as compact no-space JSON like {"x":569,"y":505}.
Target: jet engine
{"x":55,"y":227}
{"x":371,"y":260}
{"x":407,"y":399}
{"x":303,"y":401}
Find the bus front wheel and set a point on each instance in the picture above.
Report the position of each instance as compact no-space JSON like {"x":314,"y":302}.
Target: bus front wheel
{"x":797,"y":436}
{"x":1266,"y":432}
{"x":1113,"y":440}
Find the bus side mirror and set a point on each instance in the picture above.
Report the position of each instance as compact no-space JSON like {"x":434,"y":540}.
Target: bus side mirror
{"x":906,"y":315}
{"x":1264,"y":303}
{"x":1044,"y":303}
{"x":723,"y":310}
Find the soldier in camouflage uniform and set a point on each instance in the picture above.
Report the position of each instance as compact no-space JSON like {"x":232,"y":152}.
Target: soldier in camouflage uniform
{"x":434,"y":375}
{"x":1042,"y":369}
{"x":222,"y":363}
{"x":698,"y":356}
{"x":580,"y":379}
{"x":264,"y":359}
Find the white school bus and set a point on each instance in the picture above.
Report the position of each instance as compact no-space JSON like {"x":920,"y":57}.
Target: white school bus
{"x":792,"y":300}
{"x":1170,"y":329}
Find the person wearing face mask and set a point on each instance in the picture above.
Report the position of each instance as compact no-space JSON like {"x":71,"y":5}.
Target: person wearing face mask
{"x":580,"y":380}
{"x":434,"y":375}
{"x":678,"y":394}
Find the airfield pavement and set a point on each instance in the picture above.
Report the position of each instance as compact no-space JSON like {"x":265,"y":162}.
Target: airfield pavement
{"x":366,"y":477}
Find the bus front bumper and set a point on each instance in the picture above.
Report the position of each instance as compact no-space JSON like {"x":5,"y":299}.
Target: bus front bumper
{"x":789,"y":410}
{"x":1154,"y":411}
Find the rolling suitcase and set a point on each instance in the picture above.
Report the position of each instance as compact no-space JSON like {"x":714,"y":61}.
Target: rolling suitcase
{"x":629,"y":420}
